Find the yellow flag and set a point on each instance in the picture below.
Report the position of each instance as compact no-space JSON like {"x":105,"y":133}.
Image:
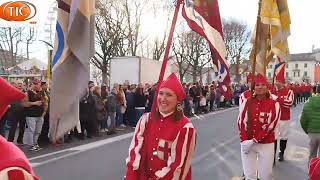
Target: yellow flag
{"x":275,"y":13}
{"x":273,"y":33}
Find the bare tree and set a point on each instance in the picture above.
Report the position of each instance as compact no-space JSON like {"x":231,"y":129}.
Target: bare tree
{"x":133,"y":13}
{"x":237,"y":39}
{"x":29,"y":38}
{"x":10,"y":39}
{"x":192,"y":54}
{"x":179,"y":50}
{"x":111,"y":39}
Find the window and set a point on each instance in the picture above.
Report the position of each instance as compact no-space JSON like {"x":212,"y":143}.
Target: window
{"x":294,"y":74}
{"x":270,"y":67}
{"x":306,"y":73}
{"x":287,"y":74}
{"x":269,"y":74}
{"x":297,"y":66}
{"x":287,"y":65}
{"x":305,"y":65}
{"x":298,"y":74}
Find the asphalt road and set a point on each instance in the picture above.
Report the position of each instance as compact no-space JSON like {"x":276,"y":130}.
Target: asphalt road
{"x":217,"y":154}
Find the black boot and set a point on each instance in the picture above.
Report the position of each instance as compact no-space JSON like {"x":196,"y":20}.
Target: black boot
{"x":275,"y":152}
{"x":283,"y":145}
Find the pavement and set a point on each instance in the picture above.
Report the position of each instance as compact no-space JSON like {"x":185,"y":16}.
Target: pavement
{"x":217,"y":153}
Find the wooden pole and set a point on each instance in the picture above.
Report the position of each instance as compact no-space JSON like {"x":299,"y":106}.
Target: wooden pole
{"x":249,"y":132}
{"x":49,"y":67}
{"x":166,"y":54}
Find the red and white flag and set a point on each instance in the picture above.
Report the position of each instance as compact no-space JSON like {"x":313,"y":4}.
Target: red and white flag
{"x":203,"y":17}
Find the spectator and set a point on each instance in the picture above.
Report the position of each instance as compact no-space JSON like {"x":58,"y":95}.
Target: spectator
{"x":121,"y":108}
{"x":35,"y":111}
{"x":130,"y":113}
{"x":43,"y":138}
{"x":140,"y":101}
{"x":99,"y":109}
{"x":236,"y":94}
{"x":218,"y":97}
{"x":87,"y":113}
{"x":3,"y":121}
{"x":104,"y":91}
{"x":110,"y":106}
{"x":310,"y":123}
{"x":212,"y":96}
{"x":16,"y":116}
{"x":187,"y":102}
{"x":151,"y":93}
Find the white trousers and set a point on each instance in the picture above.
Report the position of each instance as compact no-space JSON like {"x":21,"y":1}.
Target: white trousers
{"x":260,"y":158}
{"x":282,"y":130}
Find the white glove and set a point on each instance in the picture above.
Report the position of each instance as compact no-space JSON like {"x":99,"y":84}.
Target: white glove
{"x":274,"y":97}
{"x":246,"y":145}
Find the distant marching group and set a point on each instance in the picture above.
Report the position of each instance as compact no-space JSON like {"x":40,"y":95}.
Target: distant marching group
{"x":265,"y":119}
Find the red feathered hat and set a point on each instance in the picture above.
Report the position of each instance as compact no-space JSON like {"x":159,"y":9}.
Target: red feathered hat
{"x":314,"y":169}
{"x":260,"y":79}
{"x":174,"y":84}
{"x":9,"y":94}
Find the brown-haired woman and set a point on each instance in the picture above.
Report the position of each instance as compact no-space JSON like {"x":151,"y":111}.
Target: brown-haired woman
{"x":164,"y":142}
{"x":100,"y":110}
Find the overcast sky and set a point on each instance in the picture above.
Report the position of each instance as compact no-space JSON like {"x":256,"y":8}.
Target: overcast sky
{"x":305,"y":27}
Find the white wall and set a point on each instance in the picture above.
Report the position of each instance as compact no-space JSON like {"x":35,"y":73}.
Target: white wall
{"x":150,"y":70}
{"x":124,"y":68}
{"x":136,"y":70}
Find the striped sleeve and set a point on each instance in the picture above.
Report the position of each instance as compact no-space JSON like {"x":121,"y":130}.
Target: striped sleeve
{"x":15,"y":173}
{"x":272,"y":123}
{"x":243,"y":119}
{"x":182,"y":150}
{"x":288,"y":102}
{"x":241,"y":100}
{"x":134,"y":159}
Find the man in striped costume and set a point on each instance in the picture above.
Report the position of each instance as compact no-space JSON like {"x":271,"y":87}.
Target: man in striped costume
{"x":285,"y":97}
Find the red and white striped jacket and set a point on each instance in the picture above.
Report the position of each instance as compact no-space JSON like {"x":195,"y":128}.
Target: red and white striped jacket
{"x":243,"y":98}
{"x":14,"y":165}
{"x":264,"y":118}
{"x":285,"y":98}
{"x":161,"y":149}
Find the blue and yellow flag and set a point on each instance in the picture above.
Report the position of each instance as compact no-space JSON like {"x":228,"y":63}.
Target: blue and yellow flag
{"x":73,"y":49}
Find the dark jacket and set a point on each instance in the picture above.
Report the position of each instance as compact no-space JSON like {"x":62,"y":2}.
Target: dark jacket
{"x":139,"y":100}
{"x":87,"y":108}
{"x":130,"y":99}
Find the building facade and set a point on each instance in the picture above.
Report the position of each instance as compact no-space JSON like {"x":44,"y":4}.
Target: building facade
{"x":300,"y":68}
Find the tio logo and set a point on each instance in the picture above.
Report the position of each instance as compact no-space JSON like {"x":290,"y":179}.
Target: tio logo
{"x":17,"y":11}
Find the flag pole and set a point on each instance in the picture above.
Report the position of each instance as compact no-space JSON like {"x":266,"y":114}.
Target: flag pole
{"x":249,"y":132}
{"x":274,"y":72}
{"x":49,"y":67}
{"x":166,"y":54}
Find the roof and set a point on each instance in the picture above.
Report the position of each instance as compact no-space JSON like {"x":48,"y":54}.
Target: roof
{"x":27,"y":65}
{"x":303,"y":57}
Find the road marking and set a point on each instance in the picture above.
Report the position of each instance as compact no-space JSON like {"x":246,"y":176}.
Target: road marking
{"x":214,"y":149}
{"x":85,"y":147}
